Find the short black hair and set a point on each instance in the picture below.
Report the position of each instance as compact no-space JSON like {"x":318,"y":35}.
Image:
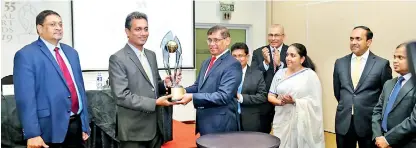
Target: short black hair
{"x":40,"y":19}
{"x":134,"y":15}
{"x":240,"y":45}
{"x":369,"y":34}
{"x":224,"y":31}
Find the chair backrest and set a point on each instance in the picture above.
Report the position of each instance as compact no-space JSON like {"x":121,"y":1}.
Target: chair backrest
{"x":7,"y":80}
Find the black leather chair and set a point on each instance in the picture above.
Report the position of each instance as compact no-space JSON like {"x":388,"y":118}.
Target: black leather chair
{"x":7,"y":80}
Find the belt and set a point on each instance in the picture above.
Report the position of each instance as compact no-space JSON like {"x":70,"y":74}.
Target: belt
{"x":73,"y":117}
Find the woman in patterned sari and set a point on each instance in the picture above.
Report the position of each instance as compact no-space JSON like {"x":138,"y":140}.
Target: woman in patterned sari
{"x":296,"y":93}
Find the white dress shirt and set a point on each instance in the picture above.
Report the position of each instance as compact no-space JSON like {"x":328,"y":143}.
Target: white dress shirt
{"x":364,"y":58}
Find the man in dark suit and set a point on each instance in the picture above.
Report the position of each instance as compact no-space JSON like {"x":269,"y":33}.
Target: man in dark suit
{"x":143,"y":119}
{"x":215,"y":88}
{"x":358,"y":79}
{"x":251,"y":94}
{"x":49,"y":88}
{"x":394,"y":122}
{"x":264,"y":60}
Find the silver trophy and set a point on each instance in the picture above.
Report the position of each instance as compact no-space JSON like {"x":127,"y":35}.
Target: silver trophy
{"x":170,"y":45}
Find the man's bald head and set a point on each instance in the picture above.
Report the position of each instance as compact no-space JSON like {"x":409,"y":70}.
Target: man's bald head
{"x":276,"y":35}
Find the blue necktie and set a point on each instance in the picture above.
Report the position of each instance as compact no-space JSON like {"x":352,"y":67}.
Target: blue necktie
{"x":239,"y":92}
{"x":391,"y":101}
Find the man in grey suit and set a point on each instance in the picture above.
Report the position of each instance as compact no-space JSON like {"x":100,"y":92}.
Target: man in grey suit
{"x":358,"y":79}
{"x":142,"y":120}
{"x":251,"y":94}
{"x":394,"y":116}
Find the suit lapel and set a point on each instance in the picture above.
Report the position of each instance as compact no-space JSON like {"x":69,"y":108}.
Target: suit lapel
{"x":407,"y":87}
{"x":216,"y":64}
{"x":368,"y":66}
{"x":46,"y":51}
{"x":348,"y":64}
{"x":136,"y":61}
{"x":201,"y":78}
{"x":387,"y":94}
{"x":246,"y":79}
{"x":152,"y":65}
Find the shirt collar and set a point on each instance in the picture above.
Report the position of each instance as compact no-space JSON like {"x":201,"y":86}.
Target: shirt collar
{"x":50,"y":46}
{"x":407,"y":76}
{"x":278,"y":48}
{"x":137,"y":51}
{"x":218,"y":56}
{"x":245,"y":69}
{"x":364,"y":56}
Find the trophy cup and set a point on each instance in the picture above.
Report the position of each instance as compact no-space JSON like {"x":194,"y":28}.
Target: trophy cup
{"x":171,"y":46}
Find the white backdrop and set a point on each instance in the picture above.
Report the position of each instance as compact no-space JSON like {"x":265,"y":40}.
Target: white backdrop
{"x":18,"y":26}
{"x":99,"y":28}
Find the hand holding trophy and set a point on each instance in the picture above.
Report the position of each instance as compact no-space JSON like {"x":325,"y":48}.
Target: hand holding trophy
{"x":171,"y":46}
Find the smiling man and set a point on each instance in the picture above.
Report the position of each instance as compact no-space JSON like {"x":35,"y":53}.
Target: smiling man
{"x":49,"y":88}
{"x":137,"y":87}
{"x":215,"y":88}
{"x":393,"y":116}
{"x":270,"y":58}
{"x":358,"y":79}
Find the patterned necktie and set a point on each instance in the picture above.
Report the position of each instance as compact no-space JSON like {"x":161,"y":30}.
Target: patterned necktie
{"x":69,"y":81}
{"x":390,"y":102}
{"x":356,"y":71}
{"x":146,"y":67}
{"x":211,"y":63}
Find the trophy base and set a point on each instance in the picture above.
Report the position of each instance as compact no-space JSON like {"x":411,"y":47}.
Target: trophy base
{"x":177,"y":92}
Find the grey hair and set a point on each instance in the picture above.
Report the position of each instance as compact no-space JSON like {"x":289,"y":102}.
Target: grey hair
{"x":134,"y":15}
{"x":224,"y":31}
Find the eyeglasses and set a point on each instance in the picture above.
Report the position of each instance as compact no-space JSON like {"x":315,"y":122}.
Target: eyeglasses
{"x":275,"y":35}
{"x":239,"y":55}
{"x":54,"y":25}
{"x":216,"y":41}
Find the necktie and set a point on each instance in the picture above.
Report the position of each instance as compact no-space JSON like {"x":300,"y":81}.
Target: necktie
{"x":272,"y":58}
{"x":146,"y":67}
{"x":390,"y":102}
{"x":211,"y":63}
{"x":239,"y":92}
{"x":69,"y":81}
{"x":356,"y":71}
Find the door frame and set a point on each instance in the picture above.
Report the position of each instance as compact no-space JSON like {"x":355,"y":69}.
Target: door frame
{"x":247,"y":27}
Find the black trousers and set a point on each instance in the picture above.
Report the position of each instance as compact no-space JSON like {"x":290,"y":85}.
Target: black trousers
{"x":156,"y":142}
{"x":351,"y":138}
{"x":73,"y":138}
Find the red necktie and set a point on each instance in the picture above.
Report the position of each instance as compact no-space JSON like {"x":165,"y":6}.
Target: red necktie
{"x":211,"y":63}
{"x":69,"y":81}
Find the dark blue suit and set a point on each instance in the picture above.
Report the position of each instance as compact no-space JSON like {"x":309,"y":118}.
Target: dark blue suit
{"x":214,"y":96}
{"x":42,"y":95}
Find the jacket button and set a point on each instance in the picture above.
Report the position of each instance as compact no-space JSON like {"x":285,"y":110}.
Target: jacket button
{"x":153,"y":89}
{"x":69,"y":97}
{"x":355,"y":95}
{"x":69,"y":111}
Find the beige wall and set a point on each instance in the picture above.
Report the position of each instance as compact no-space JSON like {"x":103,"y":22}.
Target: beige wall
{"x":324,"y":28}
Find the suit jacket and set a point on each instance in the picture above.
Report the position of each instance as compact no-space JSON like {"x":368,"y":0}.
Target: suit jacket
{"x":364,"y":97}
{"x":401,"y":122}
{"x":138,"y":117}
{"x":43,"y":99}
{"x":254,"y":105}
{"x":214,"y":96}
